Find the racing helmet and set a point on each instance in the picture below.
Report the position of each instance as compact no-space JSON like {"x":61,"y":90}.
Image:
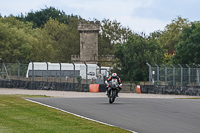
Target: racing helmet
{"x":114,"y":75}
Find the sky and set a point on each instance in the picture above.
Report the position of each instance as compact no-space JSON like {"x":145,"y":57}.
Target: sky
{"x":144,"y":16}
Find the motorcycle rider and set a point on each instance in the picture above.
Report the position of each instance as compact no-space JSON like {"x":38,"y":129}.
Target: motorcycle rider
{"x":114,"y":76}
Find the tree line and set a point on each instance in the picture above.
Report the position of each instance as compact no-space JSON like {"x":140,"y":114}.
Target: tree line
{"x":51,"y":35}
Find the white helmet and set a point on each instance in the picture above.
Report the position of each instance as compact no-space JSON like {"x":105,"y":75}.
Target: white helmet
{"x":114,"y":75}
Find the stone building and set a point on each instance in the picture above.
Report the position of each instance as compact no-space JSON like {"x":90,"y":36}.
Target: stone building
{"x":88,"y":42}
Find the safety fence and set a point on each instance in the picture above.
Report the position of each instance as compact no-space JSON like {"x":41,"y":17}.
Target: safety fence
{"x":183,"y":75}
{"x":51,"y":76}
{"x":174,"y":79}
{"x":54,"y":72}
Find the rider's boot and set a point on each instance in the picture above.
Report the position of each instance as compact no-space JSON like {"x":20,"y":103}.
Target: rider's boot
{"x":107,"y":92}
{"x":118,"y":90}
{"x":117,"y":94}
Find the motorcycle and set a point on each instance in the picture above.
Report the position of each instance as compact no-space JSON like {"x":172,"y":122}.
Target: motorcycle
{"x":112,"y":90}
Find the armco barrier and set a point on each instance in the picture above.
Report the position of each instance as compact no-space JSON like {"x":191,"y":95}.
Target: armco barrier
{"x":63,"y":86}
{"x":102,"y":88}
{"x":37,"y":85}
{"x":147,"y":88}
{"x":175,"y":90}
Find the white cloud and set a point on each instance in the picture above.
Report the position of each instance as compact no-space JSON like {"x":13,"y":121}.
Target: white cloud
{"x":102,"y":8}
{"x":145,"y":25}
{"x":16,"y":7}
{"x":140,"y":15}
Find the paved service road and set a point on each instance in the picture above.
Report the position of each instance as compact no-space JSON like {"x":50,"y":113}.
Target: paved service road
{"x":141,"y":115}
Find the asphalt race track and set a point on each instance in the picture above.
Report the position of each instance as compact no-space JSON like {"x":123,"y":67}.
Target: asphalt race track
{"x":141,"y":115}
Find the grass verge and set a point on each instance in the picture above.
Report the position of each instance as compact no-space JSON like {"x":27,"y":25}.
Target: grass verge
{"x":190,"y":98}
{"x":18,"y":115}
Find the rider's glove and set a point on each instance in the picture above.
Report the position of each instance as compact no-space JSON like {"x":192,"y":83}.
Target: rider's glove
{"x":106,"y":82}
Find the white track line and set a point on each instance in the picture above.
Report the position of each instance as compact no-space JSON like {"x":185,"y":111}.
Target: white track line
{"x":77,"y":115}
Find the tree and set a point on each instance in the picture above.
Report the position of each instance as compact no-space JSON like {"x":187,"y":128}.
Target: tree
{"x":156,"y":50}
{"x":58,"y":42}
{"x":15,"y":40}
{"x":188,"y":48}
{"x":39,"y":18}
{"x":112,"y":32}
{"x":170,"y":36}
{"x":134,"y":54}
{"x":155,"y":35}
{"x":104,"y":45}
{"x":43,"y":49}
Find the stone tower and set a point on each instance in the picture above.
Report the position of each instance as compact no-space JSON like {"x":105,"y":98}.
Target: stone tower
{"x":88,"y":42}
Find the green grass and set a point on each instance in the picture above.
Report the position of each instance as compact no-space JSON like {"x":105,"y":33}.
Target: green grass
{"x":20,"y":116}
{"x":190,"y":98}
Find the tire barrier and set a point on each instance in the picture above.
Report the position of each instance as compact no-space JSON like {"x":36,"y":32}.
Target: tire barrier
{"x":37,"y":85}
{"x":94,"y":88}
{"x":97,"y":88}
{"x":176,"y":90}
{"x":138,"y":90}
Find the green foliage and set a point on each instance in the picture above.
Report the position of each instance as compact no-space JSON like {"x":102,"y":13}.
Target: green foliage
{"x":167,"y":58}
{"x":156,"y":50}
{"x":112,"y":32}
{"x":79,"y":78}
{"x":104,"y":45}
{"x":133,"y":56}
{"x":65,"y":39}
{"x":55,"y":42}
{"x":39,"y":18}
{"x":170,"y":36}
{"x":51,"y":35}
{"x":15,"y":40}
{"x":188,"y":49}
{"x":42,"y":50}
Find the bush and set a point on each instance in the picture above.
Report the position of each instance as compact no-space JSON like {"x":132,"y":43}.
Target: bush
{"x":79,"y":78}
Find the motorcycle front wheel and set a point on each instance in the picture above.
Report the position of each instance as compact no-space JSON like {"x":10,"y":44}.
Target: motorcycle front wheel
{"x":112,"y":96}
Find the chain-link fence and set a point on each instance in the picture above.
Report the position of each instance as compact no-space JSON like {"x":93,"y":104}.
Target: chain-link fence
{"x":54,"y":72}
{"x":179,"y":75}
{"x":173,"y":79}
{"x":37,"y":74}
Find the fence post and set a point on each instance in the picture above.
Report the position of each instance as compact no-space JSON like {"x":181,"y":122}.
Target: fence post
{"x":2,"y":61}
{"x":73,"y":75}
{"x":149,"y":73}
{"x":173,"y":74}
{"x":32,"y":71}
{"x":60,"y":72}
{"x":4,"y":67}
{"x":47,"y":70}
{"x":188,"y":73}
{"x":181,"y":74}
{"x":86,"y":71}
{"x":157,"y":74}
{"x":198,"y":76}
{"x":165,"y":74}
{"x":18,"y":70}
{"x":32,"y":74}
